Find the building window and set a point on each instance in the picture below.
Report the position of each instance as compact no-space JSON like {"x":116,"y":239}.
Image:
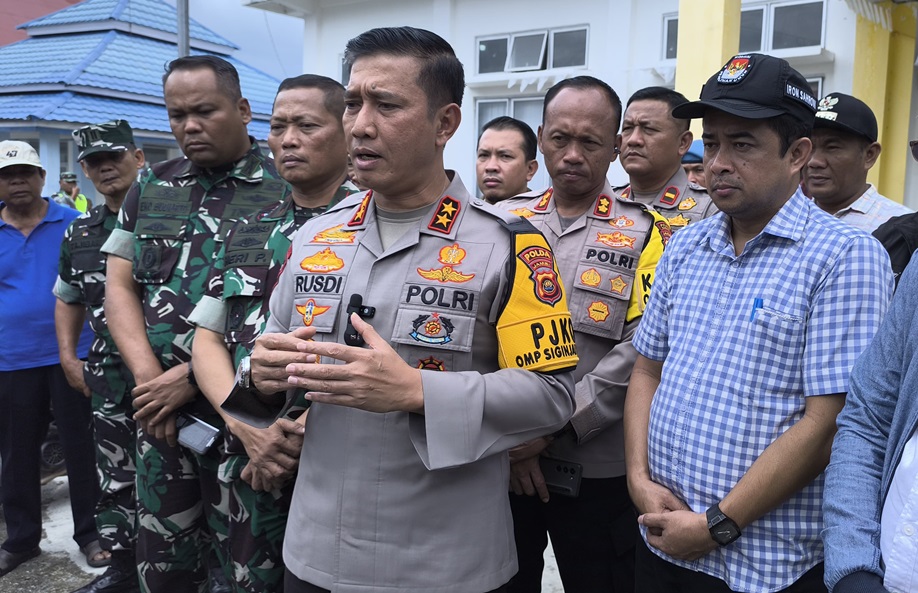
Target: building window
{"x":796,"y":25}
{"x":533,"y":50}
{"x":752,"y":25}
{"x":492,"y":55}
{"x":766,"y":27}
{"x":816,"y":85}
{"x":670,"y":36}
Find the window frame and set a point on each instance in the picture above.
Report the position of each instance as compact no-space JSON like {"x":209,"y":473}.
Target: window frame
{"x":770,"y":24}
{"x":550,"y":58}
{"x":763,"y":8}
{"x":478,"y":40}
{"x":667,"y":18}
{"x":542,"y":52}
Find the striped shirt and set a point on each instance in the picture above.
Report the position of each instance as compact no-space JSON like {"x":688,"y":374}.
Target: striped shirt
{"x":745,"y":340}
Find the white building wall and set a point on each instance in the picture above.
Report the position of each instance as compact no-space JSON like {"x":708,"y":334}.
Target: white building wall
{"x":625,"y":48}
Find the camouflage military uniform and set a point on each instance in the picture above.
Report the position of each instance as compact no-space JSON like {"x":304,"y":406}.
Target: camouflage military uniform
{"x":171,"y":227}
{"x":82,"y":280}
{"x":235,"y":304}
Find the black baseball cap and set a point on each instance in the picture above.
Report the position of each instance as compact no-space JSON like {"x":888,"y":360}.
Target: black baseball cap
{"x":849,"y":114}
{"x":754,"y":86}
{"x":111,"y":136}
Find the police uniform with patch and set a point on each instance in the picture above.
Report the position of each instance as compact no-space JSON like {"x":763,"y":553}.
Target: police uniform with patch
{"x":680,"y":201}
{"x":81,"y":280}
{"x":607,"y":259}
{"x":235,"y":304}
{"x":470,"y":295}
{"x":171,"y":226}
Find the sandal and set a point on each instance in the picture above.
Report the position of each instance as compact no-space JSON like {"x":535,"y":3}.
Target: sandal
{"x":96,"y":557}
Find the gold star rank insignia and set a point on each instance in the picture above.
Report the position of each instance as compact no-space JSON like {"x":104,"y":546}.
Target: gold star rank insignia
{"x":445,"y":215}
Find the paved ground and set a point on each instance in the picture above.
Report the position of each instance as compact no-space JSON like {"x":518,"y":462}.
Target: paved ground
{"x":61,"y":568}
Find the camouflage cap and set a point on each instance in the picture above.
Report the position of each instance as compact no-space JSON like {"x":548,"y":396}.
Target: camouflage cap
{"x":68,"y":176}
{"x":112,"y":136}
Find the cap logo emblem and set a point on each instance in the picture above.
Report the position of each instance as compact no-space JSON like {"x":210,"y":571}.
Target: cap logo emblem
{"x":12,"y":153}
{"x":735,"y":70}
{"x":828,"y":102}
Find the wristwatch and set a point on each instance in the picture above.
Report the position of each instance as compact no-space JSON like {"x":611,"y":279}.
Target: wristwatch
{"x":244,"y":373}
{"x":724,"y":530}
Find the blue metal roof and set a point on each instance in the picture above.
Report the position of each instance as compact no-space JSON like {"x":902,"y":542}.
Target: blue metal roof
{"x":112,"y":62}
{"x":155,"y":14}
{"x":78,"y":109}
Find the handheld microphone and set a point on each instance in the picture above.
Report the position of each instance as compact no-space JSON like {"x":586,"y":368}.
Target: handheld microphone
{"x":355,"y":305}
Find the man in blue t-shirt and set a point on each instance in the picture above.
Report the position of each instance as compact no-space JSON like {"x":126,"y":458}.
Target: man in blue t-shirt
{"x":31,"y":378}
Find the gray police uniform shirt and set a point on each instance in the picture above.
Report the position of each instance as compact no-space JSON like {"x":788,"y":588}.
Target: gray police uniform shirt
{"x":680,"y":201}
{"x":607,"y":258}
{"x":411,"y":502}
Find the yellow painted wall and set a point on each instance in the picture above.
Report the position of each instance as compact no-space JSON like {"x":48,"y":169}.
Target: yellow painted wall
{"x":708,"y":37}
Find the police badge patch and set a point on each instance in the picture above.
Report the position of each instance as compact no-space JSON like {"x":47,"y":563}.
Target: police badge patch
{"x":541,"y":262}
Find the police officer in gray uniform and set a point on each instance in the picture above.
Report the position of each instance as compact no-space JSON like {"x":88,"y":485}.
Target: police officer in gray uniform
{"x":607,"y":249}
{"x":443,"y":338}
{"x":653,"y":143}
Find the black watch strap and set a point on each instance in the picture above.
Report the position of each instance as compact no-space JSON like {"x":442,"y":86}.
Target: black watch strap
{"x":724,"y":530}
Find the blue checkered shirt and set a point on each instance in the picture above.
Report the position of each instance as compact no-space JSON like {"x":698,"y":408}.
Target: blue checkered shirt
{"x":744,"y":340}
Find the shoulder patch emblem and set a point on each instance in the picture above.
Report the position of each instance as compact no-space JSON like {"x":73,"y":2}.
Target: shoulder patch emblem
{"x":432,"y":329}
{"x":430,"y":364}
{"x":678,"y":221}
{"x":687,"y":204}
{"x":735,"y":70}
{"x":543,"y":202}
{"x":335,"y":235}
{"x":618,"y":285}
{"x":598,"y":311}
{"x":323,"y":261}
{"x":665,"y":231}
{"x":445,"y":274}
{"x":602,"y":208}
{"x":310,"y":310}
{"x":445,"y":215}
{"x":615,"y":239}
{"x":622,"y":222}
{"x":541,"y":262}
{"x":669,"y":196}
{"x":523,"y":212}
{"x":591,"y":278}
{"x":361,"y":213}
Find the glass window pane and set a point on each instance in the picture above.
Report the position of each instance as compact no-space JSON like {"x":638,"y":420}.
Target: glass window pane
{"x":488,"y":110}
{"x":527,"y":51}
{"x":492,"y":55}
{"x":672,"y":37}
{"x":750,"y":36}
{"x":569,"y":48}
{"x":797,"y":25}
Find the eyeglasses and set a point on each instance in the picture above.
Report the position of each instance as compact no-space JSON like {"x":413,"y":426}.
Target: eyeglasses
{"x":913,"y":145}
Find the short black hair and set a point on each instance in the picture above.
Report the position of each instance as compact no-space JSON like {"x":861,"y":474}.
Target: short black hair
{"x":332,"y":89}
{"x":583,"y":83}
{"x":660,"y":93}
{"x":227,"y":76}
{"x":789,"y":129}
{"x":505,"y":122}
{"x":442,"y":76}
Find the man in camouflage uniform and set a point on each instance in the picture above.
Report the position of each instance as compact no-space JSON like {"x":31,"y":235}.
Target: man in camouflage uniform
{"x":653,"y":143}
{"x":259,"y":463}
{"x":170,"y":228}
{"x":110,"y":160}
{"x":607,"y":250}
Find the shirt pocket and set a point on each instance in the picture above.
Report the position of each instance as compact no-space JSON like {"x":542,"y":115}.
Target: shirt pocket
{"x":244,"y":293}
{"x":599,"y":300}
{"x":158,"y":247}
{"x":776,"y":346}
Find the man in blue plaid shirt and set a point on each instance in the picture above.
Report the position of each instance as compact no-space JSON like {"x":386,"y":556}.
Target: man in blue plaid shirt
{"x":756,"y":317}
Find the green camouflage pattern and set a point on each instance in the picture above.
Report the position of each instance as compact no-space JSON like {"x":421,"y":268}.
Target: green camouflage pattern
{"x":82,"y":266}
{"x":243,"y":275}
{"x":116,"y":446}
{"x":179,"y":214}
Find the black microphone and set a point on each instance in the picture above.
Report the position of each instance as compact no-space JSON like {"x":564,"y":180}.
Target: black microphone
{"x":355,"y":305}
